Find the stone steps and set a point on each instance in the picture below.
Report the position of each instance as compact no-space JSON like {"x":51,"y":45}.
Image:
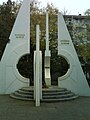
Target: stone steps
{"x":51,"y":94}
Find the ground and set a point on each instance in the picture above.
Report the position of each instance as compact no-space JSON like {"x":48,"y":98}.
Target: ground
{"x":11,"y":109}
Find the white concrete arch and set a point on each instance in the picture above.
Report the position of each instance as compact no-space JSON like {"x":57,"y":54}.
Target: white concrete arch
{"x":70,"y":60}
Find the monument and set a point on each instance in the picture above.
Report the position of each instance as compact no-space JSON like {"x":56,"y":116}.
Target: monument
{"x":11,"y":80}
{"x":74,"y":79}
{"x":19,"y":45}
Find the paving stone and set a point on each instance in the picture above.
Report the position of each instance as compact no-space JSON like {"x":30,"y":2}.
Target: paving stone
{"x":12,"y":109}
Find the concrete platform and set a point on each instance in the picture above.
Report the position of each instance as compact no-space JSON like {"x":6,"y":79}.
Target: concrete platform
{"x":12,"y":109}
{"x":51,"y":94}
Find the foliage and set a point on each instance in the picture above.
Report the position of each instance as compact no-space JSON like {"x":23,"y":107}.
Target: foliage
{"x":8,"y":13}
{"x":87,"y":12}
{"x":84,"y":51}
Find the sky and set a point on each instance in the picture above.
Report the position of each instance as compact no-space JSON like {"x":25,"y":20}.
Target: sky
{"x":73,"y":7}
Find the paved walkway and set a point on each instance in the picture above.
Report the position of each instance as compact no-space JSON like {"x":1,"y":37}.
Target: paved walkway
{"x":11,"y":109}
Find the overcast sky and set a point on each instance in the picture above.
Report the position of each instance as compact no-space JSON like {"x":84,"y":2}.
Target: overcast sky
{"x":73,"y":6}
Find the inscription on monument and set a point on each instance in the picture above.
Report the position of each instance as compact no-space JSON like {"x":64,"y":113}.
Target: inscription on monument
{"x":64,"y":41}
{"x":19,"y":35}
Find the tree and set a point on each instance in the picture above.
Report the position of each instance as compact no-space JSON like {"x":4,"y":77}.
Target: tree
{"x":87,"y":12}
{"x":38,"y":16}
{"x":84,"y":51}
{"x":8,"y":12}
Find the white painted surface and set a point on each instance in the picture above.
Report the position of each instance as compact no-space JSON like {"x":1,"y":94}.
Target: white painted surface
{"x":37,"y":85}
{"x":40,"y":74}
{"x":37,"y":71}
{"x":47,"y":68}
{"x":19,"y":45}
{"x":47,"y":55}
{"x":37,"y":38}
{"x":47,"y":32}
{"x":74,"y":79}
{"x":37,"y":77}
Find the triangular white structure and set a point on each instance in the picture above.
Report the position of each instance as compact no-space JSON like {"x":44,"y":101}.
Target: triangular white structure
{"x":10,"y":79}
{"x":74,"y":79}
